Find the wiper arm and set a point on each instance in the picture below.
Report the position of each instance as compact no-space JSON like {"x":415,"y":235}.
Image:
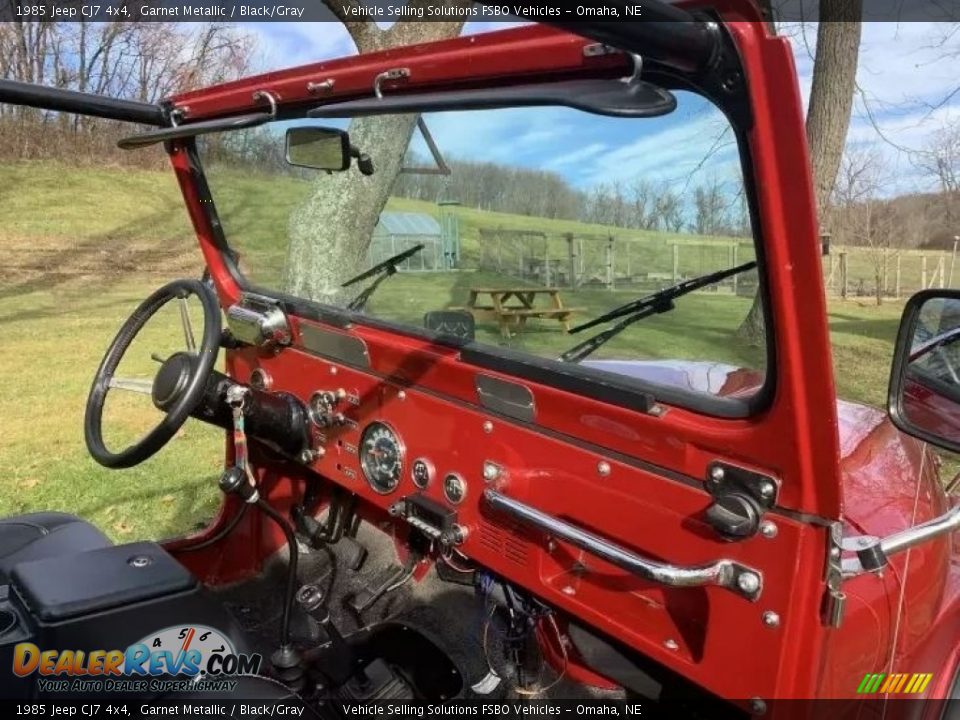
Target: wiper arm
{"x":636,"y":310}
{"x":384,"y":269}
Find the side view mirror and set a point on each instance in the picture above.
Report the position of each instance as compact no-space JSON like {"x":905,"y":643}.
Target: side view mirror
{"x":924,"y":397}
{"x":319,"y":148}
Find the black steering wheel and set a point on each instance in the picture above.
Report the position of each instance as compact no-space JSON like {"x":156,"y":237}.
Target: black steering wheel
{"x":177,"y":387}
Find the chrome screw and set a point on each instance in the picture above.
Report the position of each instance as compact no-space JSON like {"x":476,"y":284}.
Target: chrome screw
{"x":670,"y":644}
{"x":488,"y":427}
{"x":491,"y":471}
{"x":603,"y":468}
{"x":748,"y":582}
{"x":767,"y":489}
{"x":402,"y":395}
{"x":771,"y":619}
{"x":768,"y":529}
{"x":717,"y":473}
{"x":758,"y":706}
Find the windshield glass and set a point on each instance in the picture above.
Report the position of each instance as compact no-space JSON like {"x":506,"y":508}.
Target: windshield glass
{"x":545,"y":219}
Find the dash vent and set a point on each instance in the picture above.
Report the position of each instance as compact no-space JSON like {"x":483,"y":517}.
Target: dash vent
{"x":503,"y":542}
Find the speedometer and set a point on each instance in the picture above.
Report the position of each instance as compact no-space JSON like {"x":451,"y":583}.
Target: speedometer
{"x":381,"y":457}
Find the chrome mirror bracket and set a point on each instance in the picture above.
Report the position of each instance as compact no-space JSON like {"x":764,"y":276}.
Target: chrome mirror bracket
{"x":872,"y":554}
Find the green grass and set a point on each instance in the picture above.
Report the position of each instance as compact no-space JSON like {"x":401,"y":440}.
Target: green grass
{"x":83,"y":247}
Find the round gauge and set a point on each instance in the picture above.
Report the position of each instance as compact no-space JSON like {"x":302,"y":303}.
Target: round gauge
{"x":421,"y":472}
{"x":381,"y":457}
{"x":454,"y":488}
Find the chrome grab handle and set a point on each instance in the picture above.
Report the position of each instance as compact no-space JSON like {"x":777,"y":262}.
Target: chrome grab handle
{"x":733,"y":576}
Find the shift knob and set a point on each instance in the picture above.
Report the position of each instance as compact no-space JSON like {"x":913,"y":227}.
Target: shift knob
{"x":234,"y":482}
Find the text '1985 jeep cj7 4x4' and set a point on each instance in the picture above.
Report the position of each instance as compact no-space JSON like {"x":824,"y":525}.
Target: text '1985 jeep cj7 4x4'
{"x":716,"y":533}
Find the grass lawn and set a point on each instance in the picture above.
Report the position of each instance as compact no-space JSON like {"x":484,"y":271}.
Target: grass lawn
{"x":82,"y":248}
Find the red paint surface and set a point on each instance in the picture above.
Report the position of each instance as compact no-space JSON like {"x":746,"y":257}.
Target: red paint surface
{"x":835,"y":464}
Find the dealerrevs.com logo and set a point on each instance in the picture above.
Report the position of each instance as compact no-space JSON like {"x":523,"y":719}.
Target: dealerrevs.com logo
{"x":185,"y":657}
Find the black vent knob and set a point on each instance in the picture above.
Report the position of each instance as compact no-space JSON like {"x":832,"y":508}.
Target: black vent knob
{"x":734,"y":515}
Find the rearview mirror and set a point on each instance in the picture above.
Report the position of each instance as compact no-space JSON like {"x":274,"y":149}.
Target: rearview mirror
{"x":319,"y":148}
{"x":924,"y":397}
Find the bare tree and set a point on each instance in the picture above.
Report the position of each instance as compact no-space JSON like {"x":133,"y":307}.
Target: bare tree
{"x":941,"y":159}
{"x":863,"y":217}
{"x":330,"y":233}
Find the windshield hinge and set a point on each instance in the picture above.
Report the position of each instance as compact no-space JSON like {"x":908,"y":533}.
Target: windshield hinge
{"x":834,"y":599}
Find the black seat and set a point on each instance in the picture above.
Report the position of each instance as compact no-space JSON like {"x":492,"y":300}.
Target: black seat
{"x":42,"y":535}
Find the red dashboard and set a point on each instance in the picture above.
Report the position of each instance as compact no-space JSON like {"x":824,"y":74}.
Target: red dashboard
{"x":430,"y":411}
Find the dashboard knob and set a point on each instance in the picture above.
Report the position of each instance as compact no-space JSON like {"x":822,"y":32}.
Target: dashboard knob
{"x":734,"y":515}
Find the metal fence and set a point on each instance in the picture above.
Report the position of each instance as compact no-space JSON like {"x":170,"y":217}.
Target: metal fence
{"x":649,"y":261}
{"x":609,"y":261}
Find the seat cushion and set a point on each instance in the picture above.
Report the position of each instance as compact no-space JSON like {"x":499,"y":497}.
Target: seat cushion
{"x":42,"y":535}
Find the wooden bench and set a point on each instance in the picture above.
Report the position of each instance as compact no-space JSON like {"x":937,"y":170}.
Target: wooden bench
{"x":511,"y":315}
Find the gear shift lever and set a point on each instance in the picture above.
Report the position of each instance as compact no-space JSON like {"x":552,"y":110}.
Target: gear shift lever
{"x":286,"y":659}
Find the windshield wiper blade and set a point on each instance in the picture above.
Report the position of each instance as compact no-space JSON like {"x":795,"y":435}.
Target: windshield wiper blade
{"x":636,"y":310}
{"x":384,"y":269}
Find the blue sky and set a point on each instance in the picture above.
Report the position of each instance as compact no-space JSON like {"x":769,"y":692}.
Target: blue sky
{"x":904,"y":75}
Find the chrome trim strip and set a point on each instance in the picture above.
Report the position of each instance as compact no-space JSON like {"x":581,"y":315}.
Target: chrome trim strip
{"x":733,"y":576}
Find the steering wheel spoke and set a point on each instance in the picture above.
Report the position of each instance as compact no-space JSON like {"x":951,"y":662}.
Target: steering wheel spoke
{"x":187,"y":326}
{"x":137,"y":385}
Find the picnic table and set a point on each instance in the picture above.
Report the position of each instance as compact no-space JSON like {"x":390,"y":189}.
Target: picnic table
{"x":511,"y":306}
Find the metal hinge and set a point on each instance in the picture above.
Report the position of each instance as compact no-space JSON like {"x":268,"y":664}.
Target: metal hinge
{"x":834,"y":599}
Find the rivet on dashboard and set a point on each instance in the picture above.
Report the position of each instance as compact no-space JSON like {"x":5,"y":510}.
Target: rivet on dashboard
{"x":488,"y":427}
{"x":771,"y":619}
{"x":603,"y":468}
{"x":671,"y":644}
{"x":333,"y":369}
{"x":768,"y":529}
{"x":402,"y":395}
{"x":569,"y":590}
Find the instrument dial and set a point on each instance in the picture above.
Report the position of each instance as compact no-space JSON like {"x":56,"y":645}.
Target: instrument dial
{"x":381,"y":457}
{"x":421,"y":472}
{"x":454,"y":488}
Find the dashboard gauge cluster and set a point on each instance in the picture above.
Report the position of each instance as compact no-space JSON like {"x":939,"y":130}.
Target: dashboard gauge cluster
{"x":381,"y":457}
{"x":382,"y":461}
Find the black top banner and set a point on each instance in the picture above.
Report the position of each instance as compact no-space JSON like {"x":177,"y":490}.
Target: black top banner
{"x":385,"y":11}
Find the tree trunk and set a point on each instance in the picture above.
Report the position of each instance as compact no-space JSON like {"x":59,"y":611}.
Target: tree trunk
{"x":828,"y":117}
{"x":330,"y":232}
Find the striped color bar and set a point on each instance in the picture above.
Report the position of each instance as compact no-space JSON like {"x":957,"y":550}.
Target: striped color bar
{"x":902,"y":683}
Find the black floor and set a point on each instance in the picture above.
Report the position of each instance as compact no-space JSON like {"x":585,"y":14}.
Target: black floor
{"x":450,"y":614}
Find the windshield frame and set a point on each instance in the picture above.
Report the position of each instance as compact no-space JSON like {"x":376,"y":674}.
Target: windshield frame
{"x":610,"y":387}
